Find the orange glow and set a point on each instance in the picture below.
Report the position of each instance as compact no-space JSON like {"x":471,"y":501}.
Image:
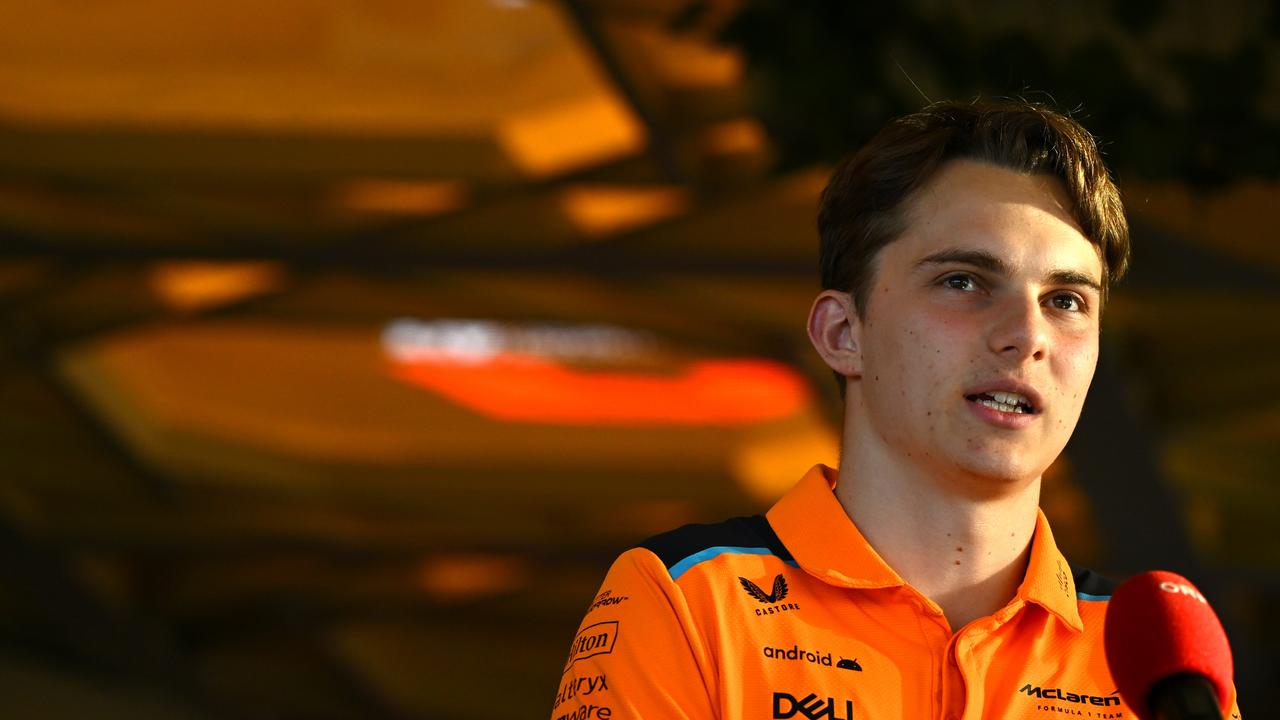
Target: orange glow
{"x":402,"y":197}
{"x":772,"y":457}
{"x":457,"y":577}
{"x":1226,"y":220}
{"x":199,"y":285}
{"x":687,"y":62}
{"x":528,"y":389}
{"x":572,"y":135}
{"x":735,"y":137}
{"x":602,"y":210}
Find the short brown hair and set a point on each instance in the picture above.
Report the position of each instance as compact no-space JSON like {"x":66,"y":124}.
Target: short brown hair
{"x":862,"y":205}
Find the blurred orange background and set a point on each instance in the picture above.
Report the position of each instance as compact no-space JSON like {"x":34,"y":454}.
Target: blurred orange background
{"x":343,"y":344}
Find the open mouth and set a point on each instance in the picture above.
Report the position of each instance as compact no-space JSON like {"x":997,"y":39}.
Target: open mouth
{"x":1004,"y":402}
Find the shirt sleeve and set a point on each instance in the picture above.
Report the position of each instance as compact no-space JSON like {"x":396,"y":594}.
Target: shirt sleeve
{"x":638,"y":653}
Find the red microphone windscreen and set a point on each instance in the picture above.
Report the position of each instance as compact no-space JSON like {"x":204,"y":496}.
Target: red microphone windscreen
{"x":1160,"y":625}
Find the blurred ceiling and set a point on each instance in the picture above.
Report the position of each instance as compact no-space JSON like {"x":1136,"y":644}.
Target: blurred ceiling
{"x":317,"y":320}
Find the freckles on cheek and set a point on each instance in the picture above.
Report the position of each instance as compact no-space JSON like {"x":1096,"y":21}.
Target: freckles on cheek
{"x":1080,"y":355}
{"x":1077,"y":376}
{"x":1085,"y":362}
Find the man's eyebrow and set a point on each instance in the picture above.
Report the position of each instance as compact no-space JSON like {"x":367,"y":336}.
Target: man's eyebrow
{"x":1073,"y":277}
{"x":987,"y":261}
{"x":976,"y":258}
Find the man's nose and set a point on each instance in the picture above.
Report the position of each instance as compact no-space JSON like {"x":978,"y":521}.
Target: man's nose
{"x":1018,"y":330}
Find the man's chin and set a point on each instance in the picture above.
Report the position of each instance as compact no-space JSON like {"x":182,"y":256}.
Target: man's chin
{"x":1000,"y":474}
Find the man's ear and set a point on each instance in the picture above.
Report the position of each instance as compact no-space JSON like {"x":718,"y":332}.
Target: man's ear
{"x":835,"y":331}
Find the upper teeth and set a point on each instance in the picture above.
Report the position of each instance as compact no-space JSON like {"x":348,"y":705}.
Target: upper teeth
{"x":1006,"y":402}
{"x":1009,"y":398}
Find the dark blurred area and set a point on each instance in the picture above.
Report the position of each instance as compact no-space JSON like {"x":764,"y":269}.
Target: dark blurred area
{"x":343,"y":344}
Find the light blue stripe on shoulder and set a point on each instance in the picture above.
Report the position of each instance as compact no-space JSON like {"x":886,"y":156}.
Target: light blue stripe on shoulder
{"x":1093,"y":598}
{"x":712,"y":552}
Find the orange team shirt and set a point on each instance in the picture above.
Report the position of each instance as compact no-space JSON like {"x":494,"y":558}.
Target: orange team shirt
{"x":794,"y":615}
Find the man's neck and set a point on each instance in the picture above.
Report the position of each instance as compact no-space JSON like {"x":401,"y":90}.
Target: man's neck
{"x":965,"y":551}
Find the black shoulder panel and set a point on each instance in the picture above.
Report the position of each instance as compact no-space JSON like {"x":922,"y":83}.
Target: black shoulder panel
{"x":741,"y":532}
{"x":1089,"y":582}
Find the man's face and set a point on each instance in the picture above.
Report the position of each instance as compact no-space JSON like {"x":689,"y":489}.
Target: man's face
{"x":980,"y":335}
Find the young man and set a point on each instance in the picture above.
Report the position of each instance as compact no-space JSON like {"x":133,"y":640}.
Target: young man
{"x":966,"y":255}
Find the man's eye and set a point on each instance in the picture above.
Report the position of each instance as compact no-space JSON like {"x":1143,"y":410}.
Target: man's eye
{"x":1067,"y":302}
{"x":959,"y":282}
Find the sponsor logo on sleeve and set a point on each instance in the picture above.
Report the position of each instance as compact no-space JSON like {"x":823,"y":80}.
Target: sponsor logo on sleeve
{"x":580,"y":687}
{"x":786,"y":705}
{"x":606,"y":599}
{"x":592,"y":640}
{"x":772,"y":600}
{"x":588,"y":712}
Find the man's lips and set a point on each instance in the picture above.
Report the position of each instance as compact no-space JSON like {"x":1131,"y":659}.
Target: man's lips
{"x":999,"y":415}
{"x":1008,"y":396}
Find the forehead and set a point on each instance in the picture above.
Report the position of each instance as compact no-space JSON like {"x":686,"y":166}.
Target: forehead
{"x":973,"y":205}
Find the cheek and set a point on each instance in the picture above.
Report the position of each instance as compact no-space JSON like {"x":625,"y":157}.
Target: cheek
{"x":927,"y":362}
{"x":1077,"y":368}
{"x":910,"y":354}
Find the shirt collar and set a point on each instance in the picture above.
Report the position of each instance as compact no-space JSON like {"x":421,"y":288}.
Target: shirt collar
{"x":815,"y":529}
{"x":1048,"y":582}
{"x":824,"y":542}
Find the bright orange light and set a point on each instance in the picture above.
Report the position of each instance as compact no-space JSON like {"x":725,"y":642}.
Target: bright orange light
{"x":772,"y":456}
{"x":199,"y":285}
{"x":515,"y":388}
{"x":602,"y":210}
{"x":573,"y":134}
